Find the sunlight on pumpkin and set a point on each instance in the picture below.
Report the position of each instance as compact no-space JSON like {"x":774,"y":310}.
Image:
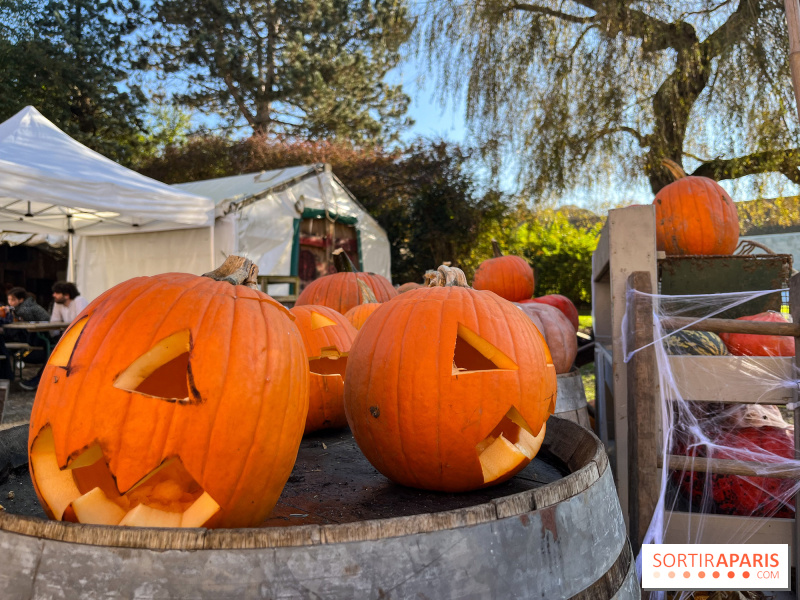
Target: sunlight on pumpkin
{"x":319,"y":321}
{"x":473,"y":353}
{"x":509,"y":447}
{"x":86,"y":491}
{"x":63,"y":350}
{"x":160,"y":372}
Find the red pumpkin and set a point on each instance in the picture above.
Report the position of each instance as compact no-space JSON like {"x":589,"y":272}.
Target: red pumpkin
{"x":171,"y":401}
{"x":327,"y":336}
{"x":340,"y":291}
{"x":557,"y":331}
{"x":562,"y":303}
{"x":509,"y":277}
{"x":695,"y":215}
{"x":448,"y":388}
{"x":745,"y":344}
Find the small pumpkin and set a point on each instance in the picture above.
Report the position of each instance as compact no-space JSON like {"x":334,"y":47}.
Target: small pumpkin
{"x":407,"y":287}
{"x":557,"y":331}
{"x":695,"y":343}
{"x":745,"y":344}
{"x":340,"y":290}
{"x":509,"y":277}
{"x":171,"y":401}
{"x":448,"y":388}
{"x":327,"y":336}
{"x":359,"y":314}
{"x":695,"y":215}
{"x":562,"y":303}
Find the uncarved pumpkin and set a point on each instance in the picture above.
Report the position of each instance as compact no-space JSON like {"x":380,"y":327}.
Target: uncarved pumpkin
{"x":562,"y":303}
{"x":448,"y":388}
{"x":172,"y":400}
{"x":340,"y":290}
{"x":358,"y":315}
{"x":557,"y":331}
{"x":509,"y":277}
{"x":327,"y":336}
{"x":745,"y":344}
{"x":695,"y":215}
{"x":407,"y":287}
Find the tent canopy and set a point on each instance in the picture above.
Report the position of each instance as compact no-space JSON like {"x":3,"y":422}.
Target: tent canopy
{"x":259,"y":216}
{"x":49,"y":183}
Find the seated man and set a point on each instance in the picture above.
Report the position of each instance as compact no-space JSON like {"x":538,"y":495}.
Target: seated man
{"x":68,"y":303}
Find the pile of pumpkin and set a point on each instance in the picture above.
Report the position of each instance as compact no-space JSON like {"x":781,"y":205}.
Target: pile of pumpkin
{"x":181,"y":401}
{"x":696,"y":216}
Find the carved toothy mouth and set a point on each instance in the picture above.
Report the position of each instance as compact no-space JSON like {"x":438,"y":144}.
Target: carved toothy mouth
{"x":330,"y":362}
{"x":86,"y":491}
{"x":509,"y":447}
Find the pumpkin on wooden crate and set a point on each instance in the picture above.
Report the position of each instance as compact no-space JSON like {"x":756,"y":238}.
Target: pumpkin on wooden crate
{"x":560,"y":302}
{"x":747,"y":344}
{"x":449,"y":388}
{"x":557,"y":331}
{"x":510,"y":277}
{"x":171,"y":401}
{"x":327,"y":336}
{"x":340,"y":291}
{"x":695,"y":215}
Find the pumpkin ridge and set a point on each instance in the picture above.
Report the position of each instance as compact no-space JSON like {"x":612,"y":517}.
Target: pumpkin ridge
{"x":510,"y":335}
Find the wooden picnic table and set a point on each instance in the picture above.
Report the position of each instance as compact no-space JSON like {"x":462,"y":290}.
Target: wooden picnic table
{"x":37,"y":326}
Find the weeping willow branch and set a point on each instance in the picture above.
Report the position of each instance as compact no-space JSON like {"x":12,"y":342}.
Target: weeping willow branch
{"x":786,"y":162}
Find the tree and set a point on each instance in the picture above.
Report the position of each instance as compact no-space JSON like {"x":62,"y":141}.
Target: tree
{"x":424,"y":196}
{"x":67,"y":58}
{"x":581,"y":87}
{"x":307,"y":69}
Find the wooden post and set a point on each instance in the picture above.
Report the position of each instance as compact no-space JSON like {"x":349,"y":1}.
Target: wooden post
{"x":794,"y":308}
{"x":643,"y":438}
{"x":793,"y":23}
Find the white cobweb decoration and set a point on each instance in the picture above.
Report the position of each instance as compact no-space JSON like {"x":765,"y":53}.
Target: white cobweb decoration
{"x":706,"y":434}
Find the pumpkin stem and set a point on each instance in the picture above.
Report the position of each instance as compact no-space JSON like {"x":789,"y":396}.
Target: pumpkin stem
{"x":496,"y":248}
{"x":674,"y":168}
{"x":342,"y":262}
{"x":447,"y":277}
{"x":367,"y":295}
{"x":236,"y":270}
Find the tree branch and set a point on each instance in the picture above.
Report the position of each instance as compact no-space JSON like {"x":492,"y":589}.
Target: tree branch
{"x":620,"y":129}
{"x":786,"y":162}
{"x":551,"y":13}
{"x":734,"y":28}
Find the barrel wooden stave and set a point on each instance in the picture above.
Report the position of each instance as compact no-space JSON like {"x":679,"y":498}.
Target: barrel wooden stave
{"x":571,"y":401}
{"x":562,"y":540}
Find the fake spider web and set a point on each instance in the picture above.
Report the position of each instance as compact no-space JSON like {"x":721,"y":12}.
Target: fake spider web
{"x":760,"y":433}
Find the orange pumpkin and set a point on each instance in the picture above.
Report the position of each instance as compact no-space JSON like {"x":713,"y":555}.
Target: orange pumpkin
{"x":509,"y":277}
{"x":340,"y":291}
{"x":746,"y":344}
{"x":171,"y":401}
{"x":407,"y":287}
{"x":562,"y":303}
{"x":557,"y":331}
{"x":358,"y":315}
{"x":448,"y":388}
{"x":694,"y":215}
{"x":328,"y":336}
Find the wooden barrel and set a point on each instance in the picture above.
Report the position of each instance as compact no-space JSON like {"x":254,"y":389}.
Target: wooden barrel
{"x":571,"y":399}
{"x":561,"y":539}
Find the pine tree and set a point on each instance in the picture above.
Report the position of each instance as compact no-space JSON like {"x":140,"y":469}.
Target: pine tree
{"x":312,"y":69}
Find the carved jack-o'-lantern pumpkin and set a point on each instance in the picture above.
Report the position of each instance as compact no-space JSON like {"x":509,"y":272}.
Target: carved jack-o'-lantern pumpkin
{"x":171,"y":401}
{"x":327,"y":335}
{"x":448,"y":388}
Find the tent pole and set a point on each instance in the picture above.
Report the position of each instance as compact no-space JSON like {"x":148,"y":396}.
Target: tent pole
{"x":793,"y":22}
{"x":70,"y":258}
{"x":211,"y":238}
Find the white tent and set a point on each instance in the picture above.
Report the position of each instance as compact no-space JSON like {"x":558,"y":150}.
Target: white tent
{"x":258,"y":216}
{"x":52,"y":185}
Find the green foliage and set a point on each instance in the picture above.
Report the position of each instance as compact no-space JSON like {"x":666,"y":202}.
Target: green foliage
{"x":424,"y":197}
{"x":68,"y":59}
{"x":581,"y":92}
{"x":558,"y":244}
{"x":312,"y":70}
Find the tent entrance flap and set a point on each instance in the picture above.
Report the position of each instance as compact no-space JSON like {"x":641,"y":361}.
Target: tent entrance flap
{"x":317,"y":239}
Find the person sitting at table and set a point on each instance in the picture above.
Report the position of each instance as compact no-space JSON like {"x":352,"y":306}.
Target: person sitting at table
{"x":68,"y":303}
{"x":25,"y":306}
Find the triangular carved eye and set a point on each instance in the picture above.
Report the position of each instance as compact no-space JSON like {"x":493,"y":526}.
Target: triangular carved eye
{"x":163,"y":371}
{"x":66,"y":346}
{"x":319,"y":321}
{"x":473,"y":353}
